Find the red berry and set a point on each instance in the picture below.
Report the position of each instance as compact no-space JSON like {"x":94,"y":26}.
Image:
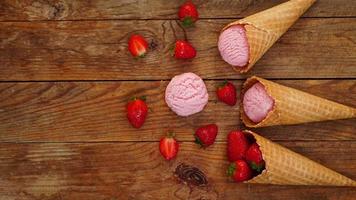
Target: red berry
{"x":184,"y":50}
{"x":168,"y":146}
{"x":188,"y":13}
{"x":136,"y":112}
{"x":205,"y":135}
{"x":137,"y":46}
{"x":227,"y":93}
{"x":240,"y":171}
{"x":237,"y":145}
{"x":254,"y":157}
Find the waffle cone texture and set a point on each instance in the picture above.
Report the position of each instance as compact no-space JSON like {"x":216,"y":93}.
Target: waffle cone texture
{"x":263,"y":29}
{"x":292,"y":106}
{"x":285,"y":167}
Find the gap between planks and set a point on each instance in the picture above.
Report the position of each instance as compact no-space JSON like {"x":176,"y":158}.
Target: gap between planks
{"x":156,"y":19}
{"x":152,"y":80}
{"x":156,"y":141}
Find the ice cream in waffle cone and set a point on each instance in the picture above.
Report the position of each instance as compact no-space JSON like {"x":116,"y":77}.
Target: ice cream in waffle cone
{"x":285,"y":167}
{"x":261,"y":31}
{"x":291,"y":106}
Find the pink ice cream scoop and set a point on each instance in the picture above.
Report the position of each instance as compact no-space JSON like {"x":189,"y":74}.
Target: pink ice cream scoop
{"x":186,"y":94}
{"x":233,"y":46}
{"x":257,"y":103}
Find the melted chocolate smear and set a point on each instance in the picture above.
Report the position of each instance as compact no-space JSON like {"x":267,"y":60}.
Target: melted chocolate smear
{"x":191,"y":175}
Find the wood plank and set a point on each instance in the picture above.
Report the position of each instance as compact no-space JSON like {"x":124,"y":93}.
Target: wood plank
{"x":154,"y":9}
{"x":51,"y":171}
{"x":95,"y":111}
{"x":98,"y":51}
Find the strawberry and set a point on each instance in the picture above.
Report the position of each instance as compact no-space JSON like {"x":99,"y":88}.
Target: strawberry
{"x":137,"y":111}
{"x":168,"y":146}
{"x":188,"y":13}
{"x":205,"y":135}
{"x":254,"y":157}
{"x":138,"y":46}
{"x":237,"y":145}
{"x":184,"y":50}
{"x":239,"y":171}
{"x":227,"y":93}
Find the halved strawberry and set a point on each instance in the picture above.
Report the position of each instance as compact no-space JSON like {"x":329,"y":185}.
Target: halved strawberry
{"x":137,"y":111}
{"x":138,"y":46}
{"x":168,"y":146}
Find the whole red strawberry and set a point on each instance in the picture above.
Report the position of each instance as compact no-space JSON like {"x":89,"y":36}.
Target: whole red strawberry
{"x":254,"y":157}
{"x":237,"y":145}
{"x":239,"y":171}
{"x":136,"y":111}
{"x":184,"y":50}
{"x":138,"y":46}
{"x":188,"y":14}
{"x":168,"y":146}
{"x":227,"y":93}
{"x":205,"y":135}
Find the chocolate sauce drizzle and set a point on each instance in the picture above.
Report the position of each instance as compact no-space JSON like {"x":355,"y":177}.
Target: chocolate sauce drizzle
{"x":191,"y":175}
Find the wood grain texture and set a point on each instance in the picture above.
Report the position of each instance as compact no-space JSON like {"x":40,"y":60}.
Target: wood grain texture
{"x":95,"y":111}
{"x":312,"y":48}
{"x":50,"y":171}
{"x":154,"y":9}
{"x":71,"y":139}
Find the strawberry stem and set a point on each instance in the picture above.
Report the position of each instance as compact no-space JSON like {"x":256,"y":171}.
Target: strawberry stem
{"x":198,"y":141}
{"x":143,"y":98}
{"x":257,"y":167}
{"x":170,"y":134}
{"x":231,"y":169}
{"x":188,"y":22}
{"x":223,"y":84}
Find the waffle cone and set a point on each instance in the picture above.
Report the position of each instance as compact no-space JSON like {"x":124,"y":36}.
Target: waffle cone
{"x":293,"y":106}
{"x":285,"y":167}
{"x":263,"y":29}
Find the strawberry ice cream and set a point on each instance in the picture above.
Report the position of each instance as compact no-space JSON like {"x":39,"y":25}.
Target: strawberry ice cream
{"x":186,"y":94}
{"x":257,"y":103}
{"x":233,"y":46}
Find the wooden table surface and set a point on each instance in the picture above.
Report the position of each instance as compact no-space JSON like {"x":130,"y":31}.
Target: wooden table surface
{"x":66,"y":76}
